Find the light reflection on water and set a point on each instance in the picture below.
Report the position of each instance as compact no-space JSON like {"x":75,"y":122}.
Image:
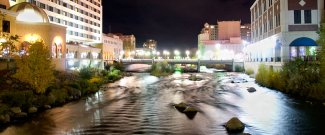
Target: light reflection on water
{"x":142,"y":104}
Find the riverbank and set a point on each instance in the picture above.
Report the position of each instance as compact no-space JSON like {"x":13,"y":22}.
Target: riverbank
{"x":298,"y":78}
{"x":19,"y":101}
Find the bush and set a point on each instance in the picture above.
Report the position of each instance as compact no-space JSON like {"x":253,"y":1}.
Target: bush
{"x":23,"y":99}
{"x":249,"y":71}
{"x":296,"y":77}
{"x":113,"y":75}
{"x":239,"y":68}
{"x":87,"y":73}
{"x":60,"y":95}
{"x":161,"y":69}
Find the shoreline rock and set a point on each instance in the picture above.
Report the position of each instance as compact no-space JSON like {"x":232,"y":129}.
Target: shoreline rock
{"x":234,"y":125}
{"x":32,"y":110}
{"x":190,"y":112}
{"x":181,"y":107}
{"x":251,"y":90}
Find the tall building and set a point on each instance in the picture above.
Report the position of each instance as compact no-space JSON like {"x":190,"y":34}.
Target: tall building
{"x":69,"y":28}
{"x":283,"y":29}
{"x":222,"y":41}
{"x":82,"y":18}
{"x":150,"y":44}
{"x":245,"y":31}
{"x":112,"y":47}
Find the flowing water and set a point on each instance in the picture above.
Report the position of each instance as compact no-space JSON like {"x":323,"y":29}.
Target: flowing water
{"x":143,"y":104}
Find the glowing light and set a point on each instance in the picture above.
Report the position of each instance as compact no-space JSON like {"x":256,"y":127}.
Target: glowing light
{"x":176,"y":52}
{"x":58,"y":40}
{"x":70,"y":62}
{"x":32,"y":38}
{"x":95,"y":55}
{"x":2,"y":40}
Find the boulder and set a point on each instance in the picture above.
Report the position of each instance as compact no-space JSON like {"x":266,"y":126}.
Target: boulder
{"x":4,"y":118}
{"x":15,"y":110}
{"x":190,"y":112}
{"x":323,"y":104}
{"x":32,"y":110}
{"x":21,"y":115}
{"x":234,"y":125}
{"x":180,"y":107}
{"x":251,"y":89}
{"x":47,"y":107}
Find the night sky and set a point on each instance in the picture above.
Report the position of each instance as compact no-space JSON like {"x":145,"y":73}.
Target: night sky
{"x":175,"y":24}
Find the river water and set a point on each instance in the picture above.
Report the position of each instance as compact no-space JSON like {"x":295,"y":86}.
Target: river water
{"x":143,"y":104}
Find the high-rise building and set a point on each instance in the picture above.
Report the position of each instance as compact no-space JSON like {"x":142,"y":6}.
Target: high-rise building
{"x":211,"y":31}
{"x":283,"y":30}
{"x":150,"y":44}
{"x":69,"y":28}
{"x":245,"y":31}
{"x":82,"y":18}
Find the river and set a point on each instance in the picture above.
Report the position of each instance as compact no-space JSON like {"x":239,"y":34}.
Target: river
{"x":143,"y":104}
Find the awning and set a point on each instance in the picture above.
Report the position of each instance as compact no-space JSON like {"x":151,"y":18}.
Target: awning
{"x":303,"y":41}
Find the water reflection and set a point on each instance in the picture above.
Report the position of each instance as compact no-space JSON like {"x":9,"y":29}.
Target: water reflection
{"x":143,"y":104}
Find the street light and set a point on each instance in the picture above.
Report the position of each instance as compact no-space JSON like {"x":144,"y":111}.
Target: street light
{"x":176,"y":53}
{"x":187,"y":53}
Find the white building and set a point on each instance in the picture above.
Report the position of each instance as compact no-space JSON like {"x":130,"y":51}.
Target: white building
{"x":82,"y":18}
{"x":282,"y":30}
{"x":112,"y":48}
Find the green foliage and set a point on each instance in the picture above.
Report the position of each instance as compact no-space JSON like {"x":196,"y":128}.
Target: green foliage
{"x":36,"y":68}
{"x":87,"y":72}
{"x":9,"y":44}
{"x":297,"y":77}
{"x":239,"y":68}
{"x":249,"y":71}
{"x":321,"y":43}
{"x":60,"y":95}
{"x":161,"y":69}
{"x":113,"y":75}
{"x":22,"y":99}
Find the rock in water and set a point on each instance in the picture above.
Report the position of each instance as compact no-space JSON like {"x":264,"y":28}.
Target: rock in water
{"x":234,"y":125}
{"x":4,"y":119}
{"x":251,"y":89}
{"x":32,"y":110}
{"x":47,"y":107}
{"x":15,"y":110}
{"x":190,"y":112}
{"x":180,"y":107}
{"x":21,"y":115}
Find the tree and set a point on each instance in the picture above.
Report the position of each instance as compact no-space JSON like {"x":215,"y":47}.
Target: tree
{"x":36,"y":68}
{"x":321,"y":43}
{"x":8,"y":45}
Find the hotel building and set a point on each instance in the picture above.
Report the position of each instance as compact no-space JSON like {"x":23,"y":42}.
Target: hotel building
{"x":70,"y":28}
{"x":150,"y":44}
{"x":82,"y":18}
{"x":283,"y":30}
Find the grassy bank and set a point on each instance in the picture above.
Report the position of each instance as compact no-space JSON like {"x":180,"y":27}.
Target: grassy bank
{"x":297,"y":77}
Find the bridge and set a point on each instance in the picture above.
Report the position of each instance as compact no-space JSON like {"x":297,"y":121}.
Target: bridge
{"x":197,"y":62}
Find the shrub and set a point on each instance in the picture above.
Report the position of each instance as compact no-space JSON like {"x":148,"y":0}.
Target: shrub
{"x":60,"y":95}
{"x":22,"y":99}
{"x":249,"y":71}
{"x":239,"y":68}
{"x":87,"y":73}
{"x":161,"y":69}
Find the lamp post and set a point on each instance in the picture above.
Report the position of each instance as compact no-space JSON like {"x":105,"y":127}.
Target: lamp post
{"x":187,"y":54}
{"x":176,"y":53}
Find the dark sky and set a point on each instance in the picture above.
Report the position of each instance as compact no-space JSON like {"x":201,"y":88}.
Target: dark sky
{"x":173,"y":23}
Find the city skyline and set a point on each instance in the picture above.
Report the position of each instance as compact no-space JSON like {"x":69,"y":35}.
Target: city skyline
{"x":173,"y":26}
